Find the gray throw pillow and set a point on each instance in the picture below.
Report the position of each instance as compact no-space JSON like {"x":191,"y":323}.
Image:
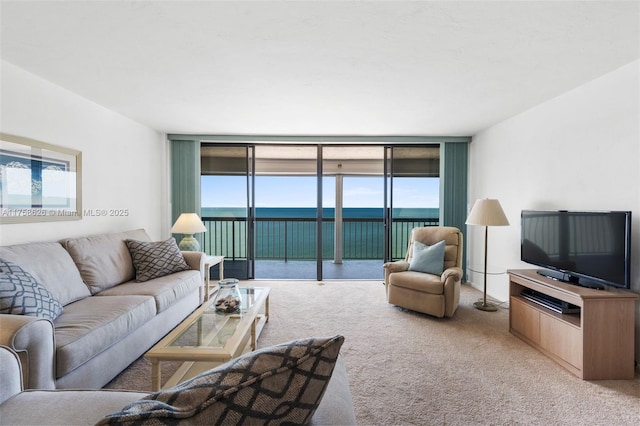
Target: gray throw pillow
{"x":281,"y":384}
{"x":21,"y":294}
{"x":428,"y":259}
{"x":156,"y":259}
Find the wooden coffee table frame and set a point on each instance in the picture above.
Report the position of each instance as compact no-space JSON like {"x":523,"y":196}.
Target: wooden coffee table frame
{"x":199,"y":358}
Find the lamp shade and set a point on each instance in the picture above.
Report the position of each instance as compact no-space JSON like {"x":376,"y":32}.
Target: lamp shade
{"x":487,"y":212}
{"x":188,"y":223}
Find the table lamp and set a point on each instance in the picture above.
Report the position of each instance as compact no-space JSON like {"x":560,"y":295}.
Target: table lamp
{"x":486,"y":212}
{"x":188,"y":224}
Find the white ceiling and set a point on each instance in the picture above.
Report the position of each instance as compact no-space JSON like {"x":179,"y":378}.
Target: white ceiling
{"x":319,"y":67}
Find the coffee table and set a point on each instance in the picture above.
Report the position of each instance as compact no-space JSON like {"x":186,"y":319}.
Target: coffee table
{"x":206,"y":339}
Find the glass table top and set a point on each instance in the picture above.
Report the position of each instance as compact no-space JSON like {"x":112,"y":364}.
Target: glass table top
{"x":212,"y":330}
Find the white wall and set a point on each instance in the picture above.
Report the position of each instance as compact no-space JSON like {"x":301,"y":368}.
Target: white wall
{"x":579,"y":151}
{"x":123,"y":162}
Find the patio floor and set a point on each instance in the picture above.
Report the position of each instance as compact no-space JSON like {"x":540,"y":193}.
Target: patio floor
{"x":305,"y":270}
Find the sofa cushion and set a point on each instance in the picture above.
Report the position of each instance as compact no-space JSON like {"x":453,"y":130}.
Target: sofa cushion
{"x":21,"y":294}
{"x":91,"y":325}
{"x":418,"y":281}
{"x":156,"y":259}
{"x":51,"y":266}
{"x":104,"y":260}
{"x":282,"y":384}
{"x":165,"y":290}
{"x":64,"y":407}
{"x":427,"y":259}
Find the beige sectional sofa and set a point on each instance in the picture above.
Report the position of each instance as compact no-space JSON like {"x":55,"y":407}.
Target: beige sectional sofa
{"x":108,"y":318}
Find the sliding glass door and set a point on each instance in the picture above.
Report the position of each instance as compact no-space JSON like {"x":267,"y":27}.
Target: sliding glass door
{"x":353,"y":201}
{"x":412,"y":194}
{"x":286,"y":223}
{"x":315,"y":211}
{"x":227,"y":206}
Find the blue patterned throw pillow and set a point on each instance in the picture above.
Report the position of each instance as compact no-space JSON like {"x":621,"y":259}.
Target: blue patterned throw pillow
{"x":156,"y":259}
{"x":281,"y":384}
{"x":21,"y":294}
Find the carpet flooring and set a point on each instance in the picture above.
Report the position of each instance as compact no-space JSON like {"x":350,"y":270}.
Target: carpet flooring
{"x":407,"y":368}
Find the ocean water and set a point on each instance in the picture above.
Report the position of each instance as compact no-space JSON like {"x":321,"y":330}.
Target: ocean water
{"x":310,"y":212}
{"x":282,"y":237}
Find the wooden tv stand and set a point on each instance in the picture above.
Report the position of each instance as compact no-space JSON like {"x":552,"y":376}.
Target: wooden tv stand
{"x":595,"y":344}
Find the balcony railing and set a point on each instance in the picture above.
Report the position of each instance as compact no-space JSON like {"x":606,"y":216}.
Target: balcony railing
{"x":295,"y":238}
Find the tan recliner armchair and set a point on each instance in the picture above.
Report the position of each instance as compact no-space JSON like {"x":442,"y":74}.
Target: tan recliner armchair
{"x":423,"y":292}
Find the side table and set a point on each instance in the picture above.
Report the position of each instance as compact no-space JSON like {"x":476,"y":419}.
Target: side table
{"x":210,"y":261}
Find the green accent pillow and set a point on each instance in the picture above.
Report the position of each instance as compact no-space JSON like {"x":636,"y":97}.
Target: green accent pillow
{"x":281,"y":384}
{"x":156,"y":259}
{"x":428,"y":259}
{"x":22,"y":294}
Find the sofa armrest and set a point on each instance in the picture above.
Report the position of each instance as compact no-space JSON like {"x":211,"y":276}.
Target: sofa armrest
{"x":195,"y":260}
{"x":32,"y":338}
{"x":10,"y":374}
{"x":454,"y":273}
{"x":336,"y":406}
{"x":451,"y":278}
{"x":391,"y":267}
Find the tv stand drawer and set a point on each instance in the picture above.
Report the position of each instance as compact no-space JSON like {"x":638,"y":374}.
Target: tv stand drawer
{"x":561,"y":339}
{"x":524,"y":320}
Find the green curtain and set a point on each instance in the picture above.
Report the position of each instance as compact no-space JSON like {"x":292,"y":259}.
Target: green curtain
{"x":454,"y":171}
{"x":185,"y":178}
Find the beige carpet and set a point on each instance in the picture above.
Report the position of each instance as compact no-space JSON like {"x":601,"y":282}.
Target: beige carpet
{"x":411,"y":369}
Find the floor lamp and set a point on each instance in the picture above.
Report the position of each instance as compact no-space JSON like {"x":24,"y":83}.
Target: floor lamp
{"x":486,"y":212}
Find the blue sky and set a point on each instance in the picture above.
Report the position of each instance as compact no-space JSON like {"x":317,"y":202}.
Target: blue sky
{"x":277,"y":191}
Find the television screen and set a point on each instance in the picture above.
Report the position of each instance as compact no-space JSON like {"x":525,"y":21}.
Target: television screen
{"x":585,"y":248}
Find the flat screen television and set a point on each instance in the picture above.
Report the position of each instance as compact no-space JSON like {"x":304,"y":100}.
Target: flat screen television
{"x":587,"y":248}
